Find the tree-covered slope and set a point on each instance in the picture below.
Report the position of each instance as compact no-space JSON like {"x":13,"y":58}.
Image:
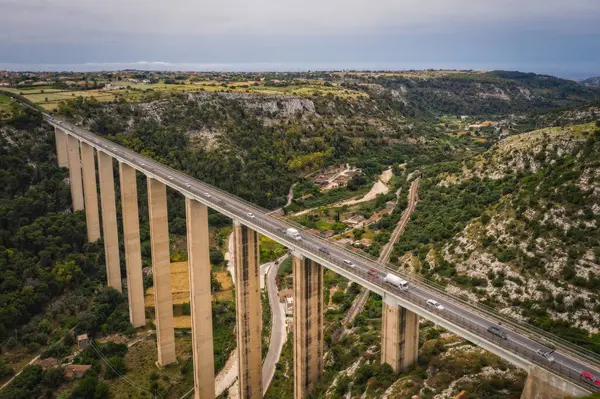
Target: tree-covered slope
{"x":252,"y":145}
{"x":43,"y":246}
{"x":476,"y":93}
{"x":518,"y":227}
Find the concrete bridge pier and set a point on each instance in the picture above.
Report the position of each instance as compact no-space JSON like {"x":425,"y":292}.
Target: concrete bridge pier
{"x":399,"y":336}
{"x":75,"y":173}
{"x":109,"y":220}
{"x":62,"y":156}
{"x":131,"y":240}
{"x":200,"y":298}
{"x":90,"y":190}
{"x":247,"y":292}
{"x":161,"y":271}
{"x":308,"y":325}
{"x":544,"y":385}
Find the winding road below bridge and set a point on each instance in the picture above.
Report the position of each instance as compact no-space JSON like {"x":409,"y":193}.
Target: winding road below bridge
{"x":228,"y":375}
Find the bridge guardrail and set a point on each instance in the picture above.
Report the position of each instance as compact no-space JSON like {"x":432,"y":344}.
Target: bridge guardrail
{"x":488,"y":312}
{"x":569,"y":373}
{"x":548,"y":338}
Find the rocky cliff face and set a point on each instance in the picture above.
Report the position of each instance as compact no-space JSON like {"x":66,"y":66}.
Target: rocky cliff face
{"x":591,"y":82}
{"x":536,"y":253}
{"x":271,"y":105}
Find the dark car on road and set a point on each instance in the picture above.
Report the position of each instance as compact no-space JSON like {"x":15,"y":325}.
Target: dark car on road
{"x":498,"y":332}
{"x":324,"y":250}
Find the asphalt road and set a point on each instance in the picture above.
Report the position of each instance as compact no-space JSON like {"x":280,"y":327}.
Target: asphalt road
{"x":278,"y":333}
{"x":567,"y":363}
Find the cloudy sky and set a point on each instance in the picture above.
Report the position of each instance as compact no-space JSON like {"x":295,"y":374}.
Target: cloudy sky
{"x":561,"y":37}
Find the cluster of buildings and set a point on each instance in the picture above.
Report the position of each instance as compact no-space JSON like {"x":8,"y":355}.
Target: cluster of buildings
{"x":357,"y":221}
{"x":72,"y":371}
{"x":475,"y":126}
{"x":336,"y":176}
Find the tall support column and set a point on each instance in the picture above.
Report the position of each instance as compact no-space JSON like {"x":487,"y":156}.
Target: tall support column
{"x":131,"y":239}
{"x":109,"y":220}
{"x":62,"y":156}
{"x":161,"y":271}
{"x":308,"y":325}
{"x":90,"y":190}
{"x":75,"y":173}
{"x":542,"y":384}
{"x":248,"y":311}
{"x":399,"y":337}
{"x":200,"y":299}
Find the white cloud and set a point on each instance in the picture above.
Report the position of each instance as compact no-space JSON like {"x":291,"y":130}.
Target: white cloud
{"x":81,"y":20}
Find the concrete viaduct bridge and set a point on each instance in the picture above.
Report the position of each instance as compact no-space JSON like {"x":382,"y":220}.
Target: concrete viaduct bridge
{"x":80,"y":151}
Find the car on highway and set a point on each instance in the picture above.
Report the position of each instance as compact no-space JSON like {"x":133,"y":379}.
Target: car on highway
{"x":114,"y":148}
{"x":188,"y":185}
{"x":435,"y":304}
{"x":348,"y":263}
{"x":170,"y":177}
{"x":496,"y":331}
{"x":142,"y":164}
{"x":546,"y":355}
{"x":250,"y":215}
{"x":373,"y":273}
{"x":324,"y":250}
{"x":587,"y":377}
{"x":207,"y":195}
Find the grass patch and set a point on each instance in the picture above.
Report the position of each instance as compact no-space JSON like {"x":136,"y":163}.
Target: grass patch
{"x":267,"y":322}
{"x":270,"y":250}
{"x":140,"y":364}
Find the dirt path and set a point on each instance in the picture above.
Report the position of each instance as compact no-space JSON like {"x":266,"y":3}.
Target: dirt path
{"x":384,"y":257}
{"x":413,"y":198}
{"x":380,"y":187}
{"x":228,"y":374}
{"x":32,"y":361}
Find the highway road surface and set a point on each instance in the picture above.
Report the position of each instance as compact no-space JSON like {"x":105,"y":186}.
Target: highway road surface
{"x":461,"y":317}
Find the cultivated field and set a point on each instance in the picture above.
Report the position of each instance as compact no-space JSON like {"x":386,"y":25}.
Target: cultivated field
{"x":49,"y":98}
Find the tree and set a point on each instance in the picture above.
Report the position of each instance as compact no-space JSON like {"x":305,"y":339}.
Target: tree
{"x":54,"y":377}
{"x":356,"y":182}
{"x":5,"y":370}
{"x":88,"y":387}
{"x":216,"y":256}
{"x":338,"y":297}
{"x":115,"y":367}
{"x":12,"y":343}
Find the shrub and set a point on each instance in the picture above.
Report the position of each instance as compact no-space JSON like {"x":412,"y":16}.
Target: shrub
{"x":12,"y":343}
{"x":115,"y":367}
{"x":338,"y":297}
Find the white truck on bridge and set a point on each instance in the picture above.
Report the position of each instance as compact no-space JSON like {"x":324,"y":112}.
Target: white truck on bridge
{"x":292,"y":232}
{"x":396,"y":281}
